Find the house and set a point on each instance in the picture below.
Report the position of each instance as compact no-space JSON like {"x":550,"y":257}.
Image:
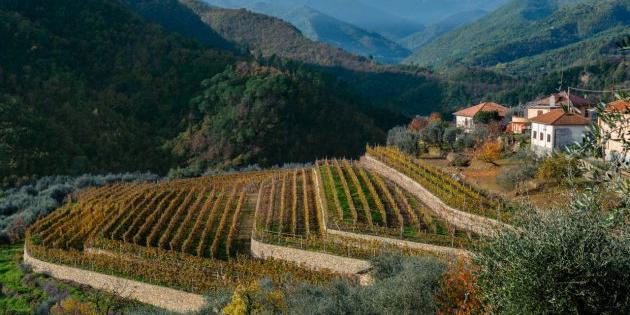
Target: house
{"x":464,"y":117}
{"x":557,"y":130}
{"x":547,"y":104}
{"x":518,"y":125}
{"x":614,"y":146}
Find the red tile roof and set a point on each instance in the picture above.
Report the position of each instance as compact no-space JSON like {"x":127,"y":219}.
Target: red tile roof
{"x":558,"y":117}
{"x":562,"y":98}
{"x":620,"y":105}
{"x":486,"y":107}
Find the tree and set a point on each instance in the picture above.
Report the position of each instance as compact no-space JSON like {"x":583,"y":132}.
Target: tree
{"x":434,"y":133}
{"x":486,"y":117}
{"x":450,"y":135}
{"x":405,"y":139}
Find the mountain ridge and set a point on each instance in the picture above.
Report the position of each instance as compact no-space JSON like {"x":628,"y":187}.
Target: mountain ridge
{"x":526,"y":29}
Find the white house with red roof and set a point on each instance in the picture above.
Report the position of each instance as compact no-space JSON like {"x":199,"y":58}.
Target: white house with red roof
{"x":464,"y":117}
{"x":557,"y":130}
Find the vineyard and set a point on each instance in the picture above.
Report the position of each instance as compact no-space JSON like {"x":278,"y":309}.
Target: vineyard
{"x":195,"y":234}
{"x":361,"y":201}
{"x":197,"y":217}
{"x":288,"y":204}
{"x":453,"y":192}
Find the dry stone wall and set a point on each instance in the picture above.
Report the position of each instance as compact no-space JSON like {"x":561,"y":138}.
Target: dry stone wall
{"x":166,"y":298}
{"x":441,"y":250}
{"x":458,"y":218}
{"x":311,"y":260}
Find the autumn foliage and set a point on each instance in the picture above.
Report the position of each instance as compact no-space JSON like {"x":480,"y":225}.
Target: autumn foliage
{"x":460,"y":293}
{"x":489,"y":152}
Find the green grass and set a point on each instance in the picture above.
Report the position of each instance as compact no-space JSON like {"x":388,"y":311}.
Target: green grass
{"x":17,"y":301}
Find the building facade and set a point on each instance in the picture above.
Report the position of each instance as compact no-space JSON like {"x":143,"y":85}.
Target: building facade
{"x":614,"y":146}
{"x":556,"y":131}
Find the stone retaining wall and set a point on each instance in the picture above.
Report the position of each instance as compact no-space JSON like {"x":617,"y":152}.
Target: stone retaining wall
{"x":309,"y":259}
{"x":458,"y":218}
{"x":402,"y":243}
{"x":166,"y":298}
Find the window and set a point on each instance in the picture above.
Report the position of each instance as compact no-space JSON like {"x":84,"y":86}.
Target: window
{"x":549,"y":138}
{"x":542,"y":136}
{"x":534,"y":135}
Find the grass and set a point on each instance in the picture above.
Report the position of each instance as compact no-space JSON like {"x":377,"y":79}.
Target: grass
{"x":24,"y":293}
{"x":19,"y":297}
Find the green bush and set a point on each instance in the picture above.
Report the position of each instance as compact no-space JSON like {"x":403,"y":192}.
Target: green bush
{"x":403,"y":285}
{"x":558,"y":168}
{"x":560,"y":262}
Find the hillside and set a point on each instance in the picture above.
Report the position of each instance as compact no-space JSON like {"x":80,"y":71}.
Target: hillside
{"x":74,"y":96}
{"x":269,"y":36}
{"x":434,"y":31}
{"x":177,"y":18}
{"x":323,"y":28}
{"x":526,"y":35}
{"x":326,"y":29}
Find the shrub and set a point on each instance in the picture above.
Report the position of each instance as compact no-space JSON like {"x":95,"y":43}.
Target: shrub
{"x":526,"y":170}
{"x":489,"y":152}
{"x":459,"y":292}
{"x":404,"y":285}
{"x":558,"y":168}
{"x":559,"y":262}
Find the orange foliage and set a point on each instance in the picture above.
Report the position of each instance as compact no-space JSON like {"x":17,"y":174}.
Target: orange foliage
{"x":418,"y":123}
{"x":489,"y":152}
{"x":460,"y":293}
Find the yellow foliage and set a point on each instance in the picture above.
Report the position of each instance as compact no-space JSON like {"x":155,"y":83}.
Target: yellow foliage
{"x":71,"y":306}
{"x":252,"y":299}
{"x":489,"y":152}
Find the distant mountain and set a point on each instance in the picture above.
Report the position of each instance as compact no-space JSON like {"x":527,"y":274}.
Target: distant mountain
{"x":354,"y":12}
{"x":529,"y":36}
{"x":326,"y":29}
{"x":366,"y":16}
{"x":268,"y":36}
{"x":430,"y":12}
{"x":434,"y":31}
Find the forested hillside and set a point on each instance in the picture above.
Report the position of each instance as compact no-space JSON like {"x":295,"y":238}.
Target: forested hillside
{"x":323,"y":28}
{"x":88,"y":86}
{"x":526,"y":37}
{"x":268,"y":36}
{"x":253,"y":113}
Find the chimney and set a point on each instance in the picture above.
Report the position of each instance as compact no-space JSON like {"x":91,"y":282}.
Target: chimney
{"x":552,"y":100}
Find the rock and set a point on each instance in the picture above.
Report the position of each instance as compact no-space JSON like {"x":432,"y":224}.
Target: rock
{"x":457,"y":159}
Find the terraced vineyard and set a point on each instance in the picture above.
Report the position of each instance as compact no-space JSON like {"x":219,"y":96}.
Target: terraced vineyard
{"x":193,"y":234}
{"x":453,"y":192}
{"x":361,"y":201}
{"x":197,"y":217}
{"x":288,"y":204}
